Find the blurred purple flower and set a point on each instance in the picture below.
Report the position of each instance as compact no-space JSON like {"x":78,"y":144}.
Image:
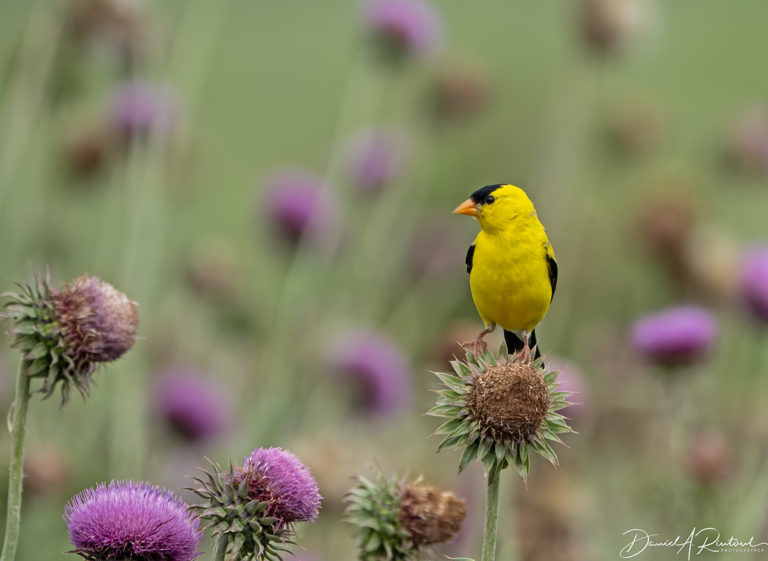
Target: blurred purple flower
{"x":139,"y":110}
{"x":130,"y":520}
{"x":754,"y":281}
{"x":676,"y":335}
{"x":436,"y":248}
{"x":191,"y":404}
{"x":570,"y":379}
{"x":377,"y":367}
{"x":403,"y":28}
{"x":279,"y":477}
{"x":297,"y":203}
{"x":376,"y":158}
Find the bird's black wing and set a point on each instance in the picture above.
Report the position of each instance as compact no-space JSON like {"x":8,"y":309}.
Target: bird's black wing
{"x":468,"y":259}
{"x":552,"y":267}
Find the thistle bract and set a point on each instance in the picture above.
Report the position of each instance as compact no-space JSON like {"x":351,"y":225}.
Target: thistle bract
{"x":130,"y":520}
{"x":499,"y":409}
{"x":65,"y":334}
{"x":255,"y":505}
{"x":396,"y":521}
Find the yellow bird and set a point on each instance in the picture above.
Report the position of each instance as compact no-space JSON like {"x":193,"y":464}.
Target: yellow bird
{"x":511,"y":266}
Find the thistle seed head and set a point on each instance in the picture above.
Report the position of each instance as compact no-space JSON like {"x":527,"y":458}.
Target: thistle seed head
{"x":510,"y":401}
{"x":431,"y":515}
{"x":396,"y":521}
{"x":498,"y":409}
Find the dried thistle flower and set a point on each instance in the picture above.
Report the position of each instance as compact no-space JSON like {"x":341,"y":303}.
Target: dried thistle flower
{"x":396,"y":521}
{"x":65,"y":334}
{"x":498,"y":409}
{"x":608,"y":25}
{"x":254,"y":506}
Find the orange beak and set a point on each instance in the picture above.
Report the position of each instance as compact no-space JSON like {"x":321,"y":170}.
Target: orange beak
{"x":468,"y":207}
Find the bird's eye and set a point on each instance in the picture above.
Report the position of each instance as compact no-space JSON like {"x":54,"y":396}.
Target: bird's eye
{"x":489,"y":199}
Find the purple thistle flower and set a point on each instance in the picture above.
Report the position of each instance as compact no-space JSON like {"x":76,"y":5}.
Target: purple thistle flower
{"x":379,"y":369}
{"x":139,"y":110}
{"x":191,"y":404}
{"x":754,"y":281}
{"x":297,"y":203}
{"x":676,"y":335}
{"x":130,"y":520}
{"x":278,"y":477}
{"x":403,"y":28}
{"x":376,"y":158}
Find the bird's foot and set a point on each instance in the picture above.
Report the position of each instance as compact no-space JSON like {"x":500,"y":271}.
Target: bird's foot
{"x":476,"y":345}
{"x":525,"y":352}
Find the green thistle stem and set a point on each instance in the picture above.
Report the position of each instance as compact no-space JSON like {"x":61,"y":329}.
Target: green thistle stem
{"x":220,"y":548}
{"x":491,"y":516}
{"x":18,"y":429}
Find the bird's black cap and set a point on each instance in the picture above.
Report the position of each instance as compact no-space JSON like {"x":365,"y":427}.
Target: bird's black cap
{"x":480,"y":195}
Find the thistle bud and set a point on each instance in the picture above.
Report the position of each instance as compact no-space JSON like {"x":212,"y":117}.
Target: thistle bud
{"x":397,"y":521}
{"x":498,"y":408}
{"x":65,"y":334}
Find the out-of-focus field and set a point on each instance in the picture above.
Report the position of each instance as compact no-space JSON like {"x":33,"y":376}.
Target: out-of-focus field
{"x":616,"y":148}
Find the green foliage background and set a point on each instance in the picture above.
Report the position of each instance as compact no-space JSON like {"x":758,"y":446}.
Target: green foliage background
{"x":269,"y":84}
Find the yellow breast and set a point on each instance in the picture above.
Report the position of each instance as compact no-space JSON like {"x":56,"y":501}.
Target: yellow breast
{"x":510,"y":278}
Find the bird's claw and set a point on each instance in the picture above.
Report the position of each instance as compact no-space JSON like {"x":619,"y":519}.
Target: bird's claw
{"x":476,"y":345}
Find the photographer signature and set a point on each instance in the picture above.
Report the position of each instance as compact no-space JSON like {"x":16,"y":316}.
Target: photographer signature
{"x":697,"y":542}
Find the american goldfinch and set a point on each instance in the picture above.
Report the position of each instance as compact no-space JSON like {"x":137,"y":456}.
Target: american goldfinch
{"x":511,"y":266}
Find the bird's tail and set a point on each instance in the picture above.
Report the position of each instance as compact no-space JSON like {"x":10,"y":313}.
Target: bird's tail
{"x":515,"y":344}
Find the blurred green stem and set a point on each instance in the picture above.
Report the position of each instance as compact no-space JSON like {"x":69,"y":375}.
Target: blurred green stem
{"x":18,"y":429}
{"x":220,"y":548}
{"x":491,"y":516}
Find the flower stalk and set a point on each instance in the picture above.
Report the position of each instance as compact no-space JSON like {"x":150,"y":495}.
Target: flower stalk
{"x":18,"y":429}
{"x":491,"y":517}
